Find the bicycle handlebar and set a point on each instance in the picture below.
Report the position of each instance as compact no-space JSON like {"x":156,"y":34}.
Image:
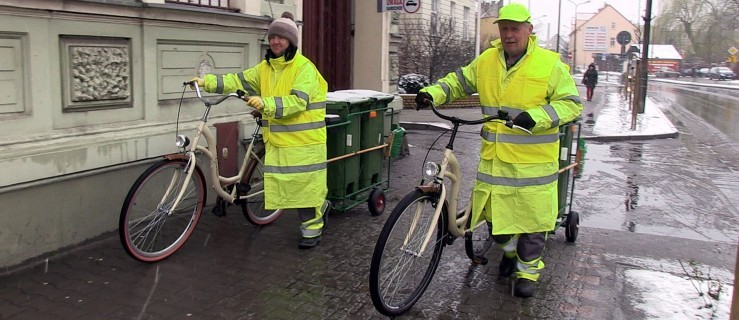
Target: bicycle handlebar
{"x":502,"y":115}
{"x":238,"y":94}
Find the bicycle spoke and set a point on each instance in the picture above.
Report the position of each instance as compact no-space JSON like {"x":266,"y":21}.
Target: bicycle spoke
{"x":400,"y":272}
{"x":151,"y":227}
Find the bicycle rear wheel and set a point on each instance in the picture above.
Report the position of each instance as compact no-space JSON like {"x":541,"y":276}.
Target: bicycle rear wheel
{"x":253,"y":205}
{"x":151,"y":229}
{"x":399,"y":275}
{"x":478,"y":242}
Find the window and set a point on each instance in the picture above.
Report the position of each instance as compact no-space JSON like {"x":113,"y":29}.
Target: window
{"x":222,"y":4}
{"x":434,"y":16}
{"x":613,"y":25}
{"x":465,"y":23}
{"x":452,"y":16}
{"x":613,"y":42}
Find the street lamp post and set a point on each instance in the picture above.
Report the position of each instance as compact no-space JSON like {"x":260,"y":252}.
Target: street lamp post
{"x":574,"y":37}
{"x":559,"y":17}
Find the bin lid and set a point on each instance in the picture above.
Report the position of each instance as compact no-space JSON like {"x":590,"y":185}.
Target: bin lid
{"x":346,"y":97}
{"x":358,"y":95}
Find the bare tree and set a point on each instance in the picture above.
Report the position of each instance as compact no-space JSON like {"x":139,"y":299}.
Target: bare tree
{"x":710,"y":26}
{"x":433,"y":48}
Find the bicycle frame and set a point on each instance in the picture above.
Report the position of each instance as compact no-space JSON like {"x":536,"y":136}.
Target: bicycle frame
{"x":455,"y":223}
{"x":449,"y":169}
{"x":211,"y":153}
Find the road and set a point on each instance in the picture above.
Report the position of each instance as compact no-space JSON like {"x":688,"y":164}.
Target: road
{"x":717,"y":104}
{"x":646,"y":206}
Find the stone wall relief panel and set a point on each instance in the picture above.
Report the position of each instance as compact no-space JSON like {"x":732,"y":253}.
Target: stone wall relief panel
{"x":13,"y":79}
{"x":96,"y":73}
{"x":180,"y":61}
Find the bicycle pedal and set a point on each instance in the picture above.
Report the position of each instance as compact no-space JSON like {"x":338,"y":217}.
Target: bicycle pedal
{"x":450,"y":240}
{"x":480,"y":260}
{"x":219,"y":210}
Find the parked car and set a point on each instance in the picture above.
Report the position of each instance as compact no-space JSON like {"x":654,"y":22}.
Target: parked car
{"x":666,"y":72}
{"x":703,"y":72}
{"x":721,"y":73}
{"x":687,"y":72}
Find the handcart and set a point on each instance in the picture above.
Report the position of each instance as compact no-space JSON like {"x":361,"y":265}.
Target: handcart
{"x":356,"y":146}
{"x":571,"y":157}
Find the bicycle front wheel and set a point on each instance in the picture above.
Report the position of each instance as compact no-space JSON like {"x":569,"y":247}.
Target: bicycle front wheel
{"x":253,"y":204}
{"x":150,"y":228}
{"x":399,"y":273}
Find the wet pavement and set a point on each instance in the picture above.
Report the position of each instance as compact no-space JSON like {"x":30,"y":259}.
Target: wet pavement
{"x":644,"y":205}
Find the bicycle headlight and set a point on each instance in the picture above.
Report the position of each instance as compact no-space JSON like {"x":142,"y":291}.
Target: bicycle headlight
{"x":182,"y":141}
{"x":431,"y":170}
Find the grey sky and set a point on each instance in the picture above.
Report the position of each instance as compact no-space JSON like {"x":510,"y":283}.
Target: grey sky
{"x":633,"y":10}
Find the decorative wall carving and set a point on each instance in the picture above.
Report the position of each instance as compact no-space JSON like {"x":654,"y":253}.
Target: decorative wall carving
{"x":97,"y":73}
{"x":181,"y":60}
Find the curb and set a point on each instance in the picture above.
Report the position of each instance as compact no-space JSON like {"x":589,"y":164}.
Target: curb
{"x":438,"y":126}
{"x":634,"y":137}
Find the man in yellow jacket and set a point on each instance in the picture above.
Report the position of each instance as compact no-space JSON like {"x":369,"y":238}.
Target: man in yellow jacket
{"x":290,"y":93}
{"x":516,"y":183}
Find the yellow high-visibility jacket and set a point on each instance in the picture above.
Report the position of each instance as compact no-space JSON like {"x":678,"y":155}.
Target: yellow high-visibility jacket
{"x":293,"y":126}
{"x":516,"y":181}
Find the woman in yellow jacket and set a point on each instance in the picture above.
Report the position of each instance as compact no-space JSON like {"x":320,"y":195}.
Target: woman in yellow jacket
{"x":290,"y":93}
{"x":516,"y":185}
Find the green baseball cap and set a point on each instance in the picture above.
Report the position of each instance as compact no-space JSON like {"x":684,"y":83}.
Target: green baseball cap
{"x":514,"y":12}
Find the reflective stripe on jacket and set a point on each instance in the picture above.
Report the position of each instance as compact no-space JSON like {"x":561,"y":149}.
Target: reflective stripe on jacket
{"x":293,"y":126}
{"x":517,"y":175}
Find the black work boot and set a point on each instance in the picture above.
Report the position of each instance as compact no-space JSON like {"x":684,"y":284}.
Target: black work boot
{"x":507,"y":266}
{"x":524,"y":288}
{"x":307,"y":243}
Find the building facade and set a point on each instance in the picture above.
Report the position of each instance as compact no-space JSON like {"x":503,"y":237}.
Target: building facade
{"x":594,"y":40}
{"x":90,"y":96}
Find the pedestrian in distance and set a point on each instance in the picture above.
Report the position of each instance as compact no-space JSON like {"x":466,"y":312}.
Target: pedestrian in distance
{"x":516,"y":185}
{"x":590,"y":80}
{"x":289,"y":93}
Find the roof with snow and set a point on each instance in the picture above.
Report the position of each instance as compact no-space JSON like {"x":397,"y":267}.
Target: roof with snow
{"x":661,"y":51}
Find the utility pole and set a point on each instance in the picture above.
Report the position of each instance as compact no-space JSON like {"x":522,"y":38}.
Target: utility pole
{"x":644,"y":59}
{"x":559,"y":16}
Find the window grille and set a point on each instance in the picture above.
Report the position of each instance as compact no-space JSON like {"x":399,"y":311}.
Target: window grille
{"x":220,"y":4}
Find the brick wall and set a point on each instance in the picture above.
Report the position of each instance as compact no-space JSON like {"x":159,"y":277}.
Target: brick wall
{"x":472,"y":101}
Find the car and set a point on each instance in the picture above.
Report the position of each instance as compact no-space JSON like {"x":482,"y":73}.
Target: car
{"x":721,"y":73}
{"x":666,"y":72}
{"x":703,"y":72}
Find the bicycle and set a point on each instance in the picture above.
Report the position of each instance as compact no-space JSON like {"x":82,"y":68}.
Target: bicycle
{"x":395,"y":286}
{"x":165,"y":203}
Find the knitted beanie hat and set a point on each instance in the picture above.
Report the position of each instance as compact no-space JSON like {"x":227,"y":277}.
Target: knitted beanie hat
{"x":285,"y":27}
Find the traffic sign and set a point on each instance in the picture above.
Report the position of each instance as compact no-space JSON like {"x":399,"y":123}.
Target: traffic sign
{"x":623,"y":38}
{"x":732,"y":51}
{"x":411,"y":6}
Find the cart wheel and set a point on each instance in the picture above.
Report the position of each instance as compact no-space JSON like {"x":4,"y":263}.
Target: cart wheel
{"x":572,"y":226}
{"x":376,"y":202}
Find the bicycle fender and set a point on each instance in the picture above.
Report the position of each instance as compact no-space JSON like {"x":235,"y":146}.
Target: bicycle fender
{"x":176,"y":156}
{"x":434,"y":188}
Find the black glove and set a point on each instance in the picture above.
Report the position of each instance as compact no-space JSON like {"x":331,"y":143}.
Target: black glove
{"x":256,"y":113}
{"x":423,"y":100}
{"x":524,"y":120}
